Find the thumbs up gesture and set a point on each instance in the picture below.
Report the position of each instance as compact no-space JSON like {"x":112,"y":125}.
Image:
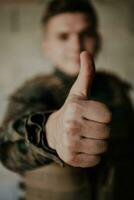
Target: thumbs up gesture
{"x":78,"y":130}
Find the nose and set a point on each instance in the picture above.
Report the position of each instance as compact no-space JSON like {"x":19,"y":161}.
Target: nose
{"x":76,"y":44}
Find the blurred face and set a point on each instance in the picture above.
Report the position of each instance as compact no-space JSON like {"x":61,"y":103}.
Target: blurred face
{"x":65,"y":36}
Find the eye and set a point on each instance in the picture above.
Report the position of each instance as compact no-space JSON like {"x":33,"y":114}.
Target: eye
{"x":63,"y":36}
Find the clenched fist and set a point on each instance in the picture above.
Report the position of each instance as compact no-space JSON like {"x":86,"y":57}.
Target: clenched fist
{"x":78,"y":130}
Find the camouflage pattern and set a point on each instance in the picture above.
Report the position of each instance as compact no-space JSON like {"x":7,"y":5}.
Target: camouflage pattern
{"x":45,"y":178}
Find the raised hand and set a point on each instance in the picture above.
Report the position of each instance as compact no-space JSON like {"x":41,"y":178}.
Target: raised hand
{"x":78,"y":130}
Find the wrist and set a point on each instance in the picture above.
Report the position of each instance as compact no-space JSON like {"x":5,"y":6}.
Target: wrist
{"x":50,"y":130}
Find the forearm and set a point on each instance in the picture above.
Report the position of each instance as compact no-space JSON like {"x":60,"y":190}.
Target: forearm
{"x":20,"y":157}
{"x":18,"y":152}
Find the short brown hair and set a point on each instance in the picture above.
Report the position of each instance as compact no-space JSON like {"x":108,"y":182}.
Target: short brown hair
{"x":56,"y":7}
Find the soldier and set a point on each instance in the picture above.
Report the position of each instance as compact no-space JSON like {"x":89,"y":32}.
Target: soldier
{"x":56,"y":127}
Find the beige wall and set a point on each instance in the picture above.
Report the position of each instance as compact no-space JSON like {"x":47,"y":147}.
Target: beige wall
{"x":21,"y":57}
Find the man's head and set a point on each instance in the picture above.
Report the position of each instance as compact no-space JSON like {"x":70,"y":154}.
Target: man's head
{"x":69,"y":26}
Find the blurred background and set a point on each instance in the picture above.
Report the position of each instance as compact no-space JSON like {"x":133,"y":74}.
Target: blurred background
{"x":21,"y":57}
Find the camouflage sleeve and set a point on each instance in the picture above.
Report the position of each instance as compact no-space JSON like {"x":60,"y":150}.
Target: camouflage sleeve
{"x":23,"y":145}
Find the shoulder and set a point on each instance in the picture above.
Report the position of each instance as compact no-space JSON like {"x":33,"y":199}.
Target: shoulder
{"x":111,"y":88}
{"x":36,"y":87}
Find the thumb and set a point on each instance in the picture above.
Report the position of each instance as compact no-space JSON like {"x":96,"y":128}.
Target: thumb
{"x":83,"y":83}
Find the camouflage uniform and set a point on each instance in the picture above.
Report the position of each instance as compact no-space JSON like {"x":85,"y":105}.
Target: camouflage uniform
{"x":24,"y":150}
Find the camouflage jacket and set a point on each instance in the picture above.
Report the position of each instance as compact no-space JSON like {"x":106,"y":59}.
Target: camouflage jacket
{"x":30,"y":155}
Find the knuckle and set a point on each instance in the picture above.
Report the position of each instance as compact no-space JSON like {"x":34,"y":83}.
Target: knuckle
{"x":72,"y":145}
{"x":71,"y":158}
{"x":71,"y":127}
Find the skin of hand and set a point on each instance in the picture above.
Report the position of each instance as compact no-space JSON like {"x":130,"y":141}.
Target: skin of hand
{"x":79,"y":129}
